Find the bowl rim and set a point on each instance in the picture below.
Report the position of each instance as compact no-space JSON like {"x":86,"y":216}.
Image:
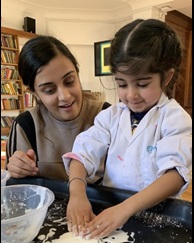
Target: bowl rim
{"x":8,"y":175}
{"x":5,"y":221}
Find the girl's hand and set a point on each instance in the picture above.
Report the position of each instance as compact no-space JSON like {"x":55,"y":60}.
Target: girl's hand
{"x":79,"y":213}
{"x":22,"y":164}
{"x":106,"y":222}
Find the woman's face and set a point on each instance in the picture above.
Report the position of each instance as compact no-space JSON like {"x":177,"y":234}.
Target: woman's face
{"x":139,"y":93}
{"x":58,"y":87}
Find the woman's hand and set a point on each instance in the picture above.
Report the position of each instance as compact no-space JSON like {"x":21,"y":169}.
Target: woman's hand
{"x":22,"y":164}
{"x":79,"y":213}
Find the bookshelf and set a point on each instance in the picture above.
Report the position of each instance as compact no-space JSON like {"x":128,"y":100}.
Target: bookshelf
{"x":13,"y":97}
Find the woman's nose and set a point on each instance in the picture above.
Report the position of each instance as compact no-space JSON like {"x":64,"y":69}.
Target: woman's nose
{"x":63,"y":94}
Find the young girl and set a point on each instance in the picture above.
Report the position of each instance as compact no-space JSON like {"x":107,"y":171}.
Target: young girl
{"x":39,"y":137}
{"x":147,"y":136}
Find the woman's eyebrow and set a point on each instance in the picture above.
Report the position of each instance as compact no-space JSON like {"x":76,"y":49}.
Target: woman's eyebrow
{"x":48,"y":83}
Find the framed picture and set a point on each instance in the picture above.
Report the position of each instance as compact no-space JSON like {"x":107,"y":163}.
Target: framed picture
{"x":101,"y":58}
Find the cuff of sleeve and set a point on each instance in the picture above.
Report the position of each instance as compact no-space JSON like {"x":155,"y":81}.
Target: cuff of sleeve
{"x":88,"y":165}
{"x":185,"y":175}
{"x":67,"y":158}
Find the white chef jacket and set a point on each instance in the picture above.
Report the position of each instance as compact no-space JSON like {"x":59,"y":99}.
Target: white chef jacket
{"x":161,"y":141}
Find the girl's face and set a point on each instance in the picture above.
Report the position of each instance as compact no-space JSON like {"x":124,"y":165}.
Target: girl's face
{"x":139,"y":93}
{"x":58,"y":87}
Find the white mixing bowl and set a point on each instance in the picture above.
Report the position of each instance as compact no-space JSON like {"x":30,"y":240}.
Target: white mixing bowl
{"x":23,"y":210}
{"x":5,"y":175}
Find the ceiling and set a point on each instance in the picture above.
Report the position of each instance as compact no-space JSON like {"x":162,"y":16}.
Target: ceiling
{"x":183,"y":6}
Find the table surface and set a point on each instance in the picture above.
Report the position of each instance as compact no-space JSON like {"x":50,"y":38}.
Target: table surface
{"x":169,"y":221}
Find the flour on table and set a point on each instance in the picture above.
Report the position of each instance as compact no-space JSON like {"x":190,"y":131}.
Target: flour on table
{"x":118,"y":236}
{"x":68,"y":237}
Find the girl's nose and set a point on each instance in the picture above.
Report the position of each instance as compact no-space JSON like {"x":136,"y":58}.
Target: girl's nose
{"x":132,"y":93}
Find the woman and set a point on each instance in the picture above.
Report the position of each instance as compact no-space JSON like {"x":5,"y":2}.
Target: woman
{"x":39,"y":137}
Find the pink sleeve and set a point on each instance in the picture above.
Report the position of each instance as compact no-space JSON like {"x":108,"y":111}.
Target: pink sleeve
{"x":67,"y":158}
{"x":71,"y":156}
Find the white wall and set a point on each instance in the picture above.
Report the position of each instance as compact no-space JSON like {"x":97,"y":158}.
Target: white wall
{"x":14,"y":11}
{"x":83,"y":54}
{"x":80,"y":39}
{"x":78,"y":30}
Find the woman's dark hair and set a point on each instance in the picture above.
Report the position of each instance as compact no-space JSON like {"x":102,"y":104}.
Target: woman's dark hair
{"x":147,"y":46}
{"x":38,"y":52}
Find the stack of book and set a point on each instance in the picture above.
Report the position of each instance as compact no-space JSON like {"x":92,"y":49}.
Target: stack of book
{"x":9,"y":72}
{"x":8,"y":41}
{"x":6,"y":121}
{"x":11,"y":104}
{"x":11,"y":88}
